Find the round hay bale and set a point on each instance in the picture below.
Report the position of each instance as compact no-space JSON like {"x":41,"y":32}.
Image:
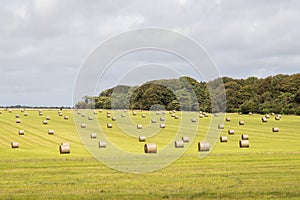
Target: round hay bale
{"x":66,"y":117}
{"x":83,"y":125}
{"x":90,"y":118}
{"x":185,"y":139}
{"x":223,"y":139}
{"x":134,"y":113}
{"x":272,"y":114}
{"x":108,"y":115}
{"x":241,"y":123}
{"x":277,"y":118}
{"x":40,"y":114}
{"x":143,"y":116}
{"x":17,"y":116}
{"x":244,"y":143}
{"x":193,"y":120}
{"x":21,"y":132}
{"x":47,"y":118}
{"x":170,"y":112}
{"x":201,"y":116}
{"x":228,"y":119}
{"x":153,"y":121}
{"x":109,"y":125}
{"x":179,"y":144}
{"x":173,"y":115}
{"x":162,"y":125}
{"x":264,"y":119}
{"x":95,"y":113}
{"x":45,"y":122}
{"x":139,"y":126}
{"x":150,"y":148}
{"x":142,"y":138}
{"x":174,"y":111}
{"x":93,"y":135}
{"x":10,"y":110}
{"x":205,"y":114}
{"x":60,"y":114}
{"x":163,"y":112}
{"x":230,"y":132}
{"x":14,"y":145}
{"x":102,"y":144}
{"x":162,"y":119}
{"x":216,"y":114}
{"x":22,"y":109}
{"x":108,"y":112}
{"x":113,"y":118}
{"x":250,"y":113}
{"x":18,"y":121}
{"x":122,"y":115}
{"x":176,"y":117}
{"x":0,"y":112}
{"x":83,"y":115}
{"x":220,"y":126}
{"x":245,"y":137}
{"x":25,"y":114}
{"x":64,"y":149}
{"x":50,"y":131}
{"x":203,"y":146}
{"x":267,"y":116}
{"x":157,"y":113}
{"x":275,"y":129}
{"x":100,"y":111}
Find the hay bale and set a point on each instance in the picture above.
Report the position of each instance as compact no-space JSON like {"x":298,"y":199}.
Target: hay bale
{"x":40,"y":114}
{"x":47,"y":118}
{"x":176,"y":117}
{"x":0,"y":112}
{"x":60,"y":114}
{"x":216,"y":114}
{"x":162,"y":119}
{"x":14,"y":145}
{"x":244,"y":143}
{"x":95,"y":113}
{"x":275,"y":129}
{"x":250,"y":113}
{"x":142,"y":138}
{"x":203,"y":146}
{"x":18,"y":121}
{"x":157,"y":113}
{"x":223,"y":139}
{"x":162,"y":125}
{"x":150,"y":148}
{"x":170,"y":112}
{"x":267,"y":116}
{"x":45,"y":122}
{"x":17,"y":116}
{"x":122,"y":115}
{"x":193,"y":120}
{"x":245,"y":137}
{"x":50,"y":131}
{"x":264,"y":119}
{"x":21,"y":132}
{"x":163,"y":112}
{"x":205,"y":114}
{"x":102,"y":144}
{"x":113,"y":118}
{"x":66,"y":117}
{"x":108,"y":115}
{"x":93,"y":135}
{"x":25,"y":114}
{"x":90,"y":118}
{"x":173,"y":115}
{"x":22,"y":109}
{"x":109,"y":125}
{"x":230,"y":132}
{"x":277,"y":118}
{"x":10,"y":110}
{"x":185,"y":139}
{"x":134,"y":113}
{"x":143,"y":116}
{"x":83,"y":125}
{"x":272,"y":114}
{"x":220,"y":126}
{"x":83,"y":115}
{"x":241,"y":123}
{"x":64,"y":149}
{"x":139,"y":126}
{"x":228,"y":119}
{"x":153,"y":121}
{"x":179,"y":144}
{"x":108,"y":112}
{"x":201,"y":116}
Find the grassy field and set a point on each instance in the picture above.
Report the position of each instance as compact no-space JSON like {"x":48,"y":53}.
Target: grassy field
{"x":269,"y":169}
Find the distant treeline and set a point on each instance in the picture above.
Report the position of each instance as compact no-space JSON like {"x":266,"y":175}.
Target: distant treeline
{"x":278,"y":94}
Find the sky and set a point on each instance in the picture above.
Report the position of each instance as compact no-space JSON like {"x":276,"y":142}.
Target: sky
{"x":44,"y":43}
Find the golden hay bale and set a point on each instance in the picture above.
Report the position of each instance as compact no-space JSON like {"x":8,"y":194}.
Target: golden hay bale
{"x":267,"y":116}
{"x":64,"y":149}
{"x":93,"y":135}
{"x":228,"y":119}
{"x":66,"y":117}
{"x":102,"y":144}
{"x":150,"y":148}
{"x":201,"y":116}
{"x":250,"y":113}
{"x":176,"y":117}
{"x":95,"y":113}
{"x":272,"y":114}
{"x":109,"y":125}
{"x":170,"y":112}
{"x":139,"y":126}
{"x":230,"y":132}
{"x":173,"y":115}
{"x":179,"y":144}
{"x":143,"y":116}
{"x":275,"y":129}
{"x":108,"y":112}
{"x":142,"y":138}
{"x":122,"y":115}
{"x":162,"y":125}
{"x":18,"y":121}
{"x":205,"y":114}
{"x":50,"y":131}
{"x":162,"y":119}
{"x":47,"y":118}
{"x":223,"y":139}
{"x":21,"y":132}
{"x":17,"y":116}
{"x":10,"y":110}
{"x":157,"y":113}
{"x":134,"y":113}
{"x":241,"y":123}
{"x":185,"y":139}
{"x":40,"y":114}
{"x":113,"y":118}
{"x":22,"y":109}
{"x":25,"y":114}
{"x":216,"y":114}
{"x":90,"y":118}
{"x":264,"y":119}
{"x":153,"y":121}
{"x":220,"y":126}
{"x":245,"y":137}
{"x":83,"y":125}
{"x":83,"y":115}
{"x":193,"y":120}
{"x":163,"y":112}
{"x":108,"y":115}
{"x":45,"y":122}
{"x":100,"y":111}
{"x":60,"y":114}
{"x":277,"y":117}
{"x":244,"y":143}
{"x":203,"y":146}
{"x":14,"y":145}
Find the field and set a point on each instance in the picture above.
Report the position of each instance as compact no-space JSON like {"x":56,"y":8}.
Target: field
{"x":269,"y":169}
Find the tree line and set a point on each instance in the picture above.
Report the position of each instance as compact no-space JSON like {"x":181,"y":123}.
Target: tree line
{"x":278,"y":94}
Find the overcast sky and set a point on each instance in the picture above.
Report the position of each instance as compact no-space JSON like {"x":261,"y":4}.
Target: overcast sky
{"x":44,"y":42}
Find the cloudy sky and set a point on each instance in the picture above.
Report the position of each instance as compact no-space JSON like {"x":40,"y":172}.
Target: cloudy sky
{"x":44,"y":42}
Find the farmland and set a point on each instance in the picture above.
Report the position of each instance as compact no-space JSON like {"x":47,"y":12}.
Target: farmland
{"x":270,"y":168}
